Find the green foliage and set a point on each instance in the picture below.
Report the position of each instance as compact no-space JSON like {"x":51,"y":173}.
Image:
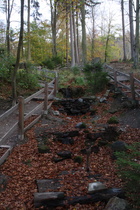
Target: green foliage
{"x":27,"y":80}
{"x":6,"y":66}
{"x":96,"y":81}
{"x":113,"y":120}
{"x":129,"y":169}
{"x":78,"y":159}
{"x":88,"y":67}
{"x":93,"y":67}
{"x":95,"y":77}
{"x":28,"y":162}
{"x":75,"y":70}
{"x":53,"y":62}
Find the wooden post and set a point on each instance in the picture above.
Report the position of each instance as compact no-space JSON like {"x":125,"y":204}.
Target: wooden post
{"x":115,"y":79}
{"x":21,"y":118}
{"x":46,"y":99}
{"x":55,"y":84}
{"x":132,"y":85}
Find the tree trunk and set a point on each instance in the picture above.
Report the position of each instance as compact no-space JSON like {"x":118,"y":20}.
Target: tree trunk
{"x":84,"y":49}
{"x":28,"y":29}
{"x":8,"y":15}
{"x":72,"y":40}
{"x":136,"y":57}
{"x":53,"y":25}
{"x":93,"y":34}
{"x":67,"y":34}
{"x":75,"y":40}
{"x":55,"y":199}
{"x":131,"y":28}
{"x":14,"y":92}
{"x":123,"y":29}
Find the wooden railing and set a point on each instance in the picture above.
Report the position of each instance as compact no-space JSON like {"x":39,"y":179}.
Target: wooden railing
{"x":23,"y":117}
{"x":132,"y":86}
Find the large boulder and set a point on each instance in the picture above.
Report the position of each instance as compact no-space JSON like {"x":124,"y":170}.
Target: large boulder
{"x":119,"y":146}
{"x":116,"y":203}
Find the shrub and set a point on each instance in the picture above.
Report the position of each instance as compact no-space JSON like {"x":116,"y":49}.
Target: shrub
{"x":113,"y":120}
{"x":27,"y":80}
{"x":75,"y":70}
{"x":78,"y":159}
{"x":53,"y":62}
{"x":129,"y":170}
{"x":96,"y":81}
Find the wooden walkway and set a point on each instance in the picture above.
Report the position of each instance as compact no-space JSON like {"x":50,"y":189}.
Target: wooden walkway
{"x":21,"y":117}
{"x":128,"y":84}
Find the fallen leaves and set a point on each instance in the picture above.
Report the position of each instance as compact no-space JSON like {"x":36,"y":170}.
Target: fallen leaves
{"x":25,"y":165}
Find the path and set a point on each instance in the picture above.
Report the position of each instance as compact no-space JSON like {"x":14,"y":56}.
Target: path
{"x":9,"y":124}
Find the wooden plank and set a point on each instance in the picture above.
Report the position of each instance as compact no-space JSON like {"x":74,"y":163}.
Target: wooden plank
{"x":8,"y":112}
{"x":32,"y":123}
{"x":123,"y":85}
{"x":34,"y":95}
{"x":21,"y":118}
{"x":40,"y":106}
{"x":136,"y":80}
{"x":5,"y":137}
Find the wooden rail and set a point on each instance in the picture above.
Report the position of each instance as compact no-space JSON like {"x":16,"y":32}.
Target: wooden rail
{"x":20,"y":109}
{"x":132,"y":86}
{"x":44,"y":106}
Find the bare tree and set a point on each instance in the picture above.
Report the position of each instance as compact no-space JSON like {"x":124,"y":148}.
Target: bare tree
{"x":132,"y":39}
{"x":123,"y":29}
{"x":28,"y":29}
{"x":14,"y":92}
{"x":84,"y":45}
{"x":53,"y":5}
{"x":136,"y":57}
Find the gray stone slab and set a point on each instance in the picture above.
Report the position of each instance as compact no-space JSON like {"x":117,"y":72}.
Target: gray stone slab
{"x":48,"y":184}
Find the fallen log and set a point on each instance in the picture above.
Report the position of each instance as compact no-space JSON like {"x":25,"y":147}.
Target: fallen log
{"x":56,"y":200}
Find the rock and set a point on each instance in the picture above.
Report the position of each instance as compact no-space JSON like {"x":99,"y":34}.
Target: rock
{"x":107,"y":93}
{"x":95,"y":149}
{"x":43,"y":148}
{"x":116,"y":203}
{"x":48,"y":199}
{"x":66,"y":140}
{"x":48,"y":184}
{"x":74,"y":106}
{"x":56,"y":113}
{"x":80,"y":100}
{"x":65,"y":154}
{"x":119,"y":146}
{"x":3,"y":182}
{"x":80,"y":125}
{"x":103,"y":99}
{"x":95,"y":187}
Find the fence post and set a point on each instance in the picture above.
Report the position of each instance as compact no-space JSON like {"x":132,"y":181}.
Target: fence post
{"x":46,"y":99}
{"x":132,"y":85}
{"x":115,"y":79}
{"x":21,"y":118}
{"x":56,"y":84}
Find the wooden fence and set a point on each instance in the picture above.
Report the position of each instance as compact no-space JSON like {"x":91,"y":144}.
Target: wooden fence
{"x":23,"y":117}
{"x":128,"y":82}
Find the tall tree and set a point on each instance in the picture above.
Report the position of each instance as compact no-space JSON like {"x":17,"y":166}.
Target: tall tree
{"x":137,"y":36}
{"x":28,"y":32}
{"x":72,"y":40}
{"x":8,"y":9}
{"x":132,"y":39}
{"x":83,"y":22}
{"x":123,"y":29}
{"x":53,"y":5}
{"x":14,"y":92}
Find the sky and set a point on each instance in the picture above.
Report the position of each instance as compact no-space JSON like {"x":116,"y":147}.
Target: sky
{"x":107,"y":8}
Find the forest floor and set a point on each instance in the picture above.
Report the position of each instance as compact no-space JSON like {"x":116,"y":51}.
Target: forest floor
{"x":26,"y":165}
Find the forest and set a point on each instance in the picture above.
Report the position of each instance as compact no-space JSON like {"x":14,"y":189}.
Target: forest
{"x":90,"y":135}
